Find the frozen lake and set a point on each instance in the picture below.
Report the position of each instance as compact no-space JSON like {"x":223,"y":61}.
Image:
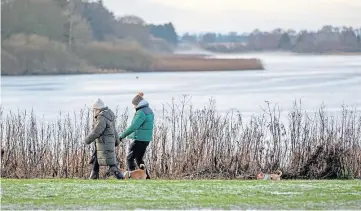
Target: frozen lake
{"x":332,"y":80}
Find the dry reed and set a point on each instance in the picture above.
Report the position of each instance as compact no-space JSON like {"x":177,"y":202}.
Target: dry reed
{"x":193,"y":143}
{"x":197,"y":63}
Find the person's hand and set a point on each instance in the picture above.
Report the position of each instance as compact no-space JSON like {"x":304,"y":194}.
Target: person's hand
{"x":119,"y":142}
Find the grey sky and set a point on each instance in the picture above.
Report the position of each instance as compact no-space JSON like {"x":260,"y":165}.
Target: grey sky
{"x":241,"y":15}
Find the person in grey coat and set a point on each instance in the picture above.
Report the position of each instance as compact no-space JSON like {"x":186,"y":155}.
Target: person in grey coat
{"x":106,"y":139}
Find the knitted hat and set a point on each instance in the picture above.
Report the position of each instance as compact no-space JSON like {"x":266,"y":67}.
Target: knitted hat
{"x":98,"y":104}
{"x":137,"y":98}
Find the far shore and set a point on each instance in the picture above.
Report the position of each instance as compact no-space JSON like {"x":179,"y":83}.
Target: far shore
{"x":193,"y":62}
{"x":331,"y":53}
{"x":176,"y":63}
{"x":340,"y":53}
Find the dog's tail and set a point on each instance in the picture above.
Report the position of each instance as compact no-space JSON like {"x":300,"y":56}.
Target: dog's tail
{"x":142,"y":166}
{"x":279,"y":172}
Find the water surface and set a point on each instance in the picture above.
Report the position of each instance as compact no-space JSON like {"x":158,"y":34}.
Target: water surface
{"x":315,"y":79}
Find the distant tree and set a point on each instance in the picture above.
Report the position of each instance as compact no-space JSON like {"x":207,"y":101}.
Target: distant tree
{"x":306,"y":43}
{"x":285,"y":42}
{"x":171,"y":33}
{"x":327,"y":29}
{"x":132,"y":19}
{"x":43,"y":17}
{"x":264,"y":41}
{"x":165,"y":31}
{"x":53,"y":36}
{"x":326,"y":39}
{"x":233,"y":37}
{"x":291,"y":32}
{"x":278,"y":31}
{"x":76,"y":29}
{"x":256,"y":31}
{"x":28,"y":54}
{"x":133,"y":27}
{"x":101,"y":20}
{"x":359,"y":42}
{"x":221,"y":38}
{"x":349,"y":39}
{"x":189,"y":38}
{"x":209,"y":38}
{"x":243,"y":38}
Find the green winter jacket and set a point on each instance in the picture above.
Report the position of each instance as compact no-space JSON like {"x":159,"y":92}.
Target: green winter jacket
{"x":105,"y":136}
{"x":141,"y":128}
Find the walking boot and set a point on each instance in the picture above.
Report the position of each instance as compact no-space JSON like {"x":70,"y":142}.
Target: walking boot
{"x":147,"y":173}
{"x":116,"y":172}
{"x":94,"y":175}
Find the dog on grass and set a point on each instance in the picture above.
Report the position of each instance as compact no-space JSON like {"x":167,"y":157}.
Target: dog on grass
{"x":262,"y":176}
{"x":136,"y":174}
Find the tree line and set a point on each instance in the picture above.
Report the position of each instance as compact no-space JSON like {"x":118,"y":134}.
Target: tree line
{"x":325,"y":40}
{"x":79,"y":36}
{"x":38,"y":35}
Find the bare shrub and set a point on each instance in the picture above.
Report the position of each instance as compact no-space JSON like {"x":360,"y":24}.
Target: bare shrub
{"x":194,"y":143}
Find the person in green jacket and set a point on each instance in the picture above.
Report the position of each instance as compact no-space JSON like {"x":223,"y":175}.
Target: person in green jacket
{"x":140,"y":130}
{"x":105,"y":136}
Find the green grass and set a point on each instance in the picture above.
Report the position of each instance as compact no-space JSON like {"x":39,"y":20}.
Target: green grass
{"x":179,"y":194}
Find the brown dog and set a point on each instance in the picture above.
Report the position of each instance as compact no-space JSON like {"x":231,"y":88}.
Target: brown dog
{"x":136,"y":174}
{"x":263,"y":176}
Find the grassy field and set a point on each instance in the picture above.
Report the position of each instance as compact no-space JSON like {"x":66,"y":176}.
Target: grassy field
{"x":179,"y":194}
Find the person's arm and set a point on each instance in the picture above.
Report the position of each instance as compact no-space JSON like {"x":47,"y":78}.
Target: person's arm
{"x":97,"y":131}
{"x":139,"y":118}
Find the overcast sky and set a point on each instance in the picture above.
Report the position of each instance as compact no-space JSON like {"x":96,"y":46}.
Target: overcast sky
{"x":241,"y":15}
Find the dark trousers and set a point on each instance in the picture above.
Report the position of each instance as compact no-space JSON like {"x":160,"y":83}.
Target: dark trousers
{"x":136,"y":152}
{"x":95,"y":165}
